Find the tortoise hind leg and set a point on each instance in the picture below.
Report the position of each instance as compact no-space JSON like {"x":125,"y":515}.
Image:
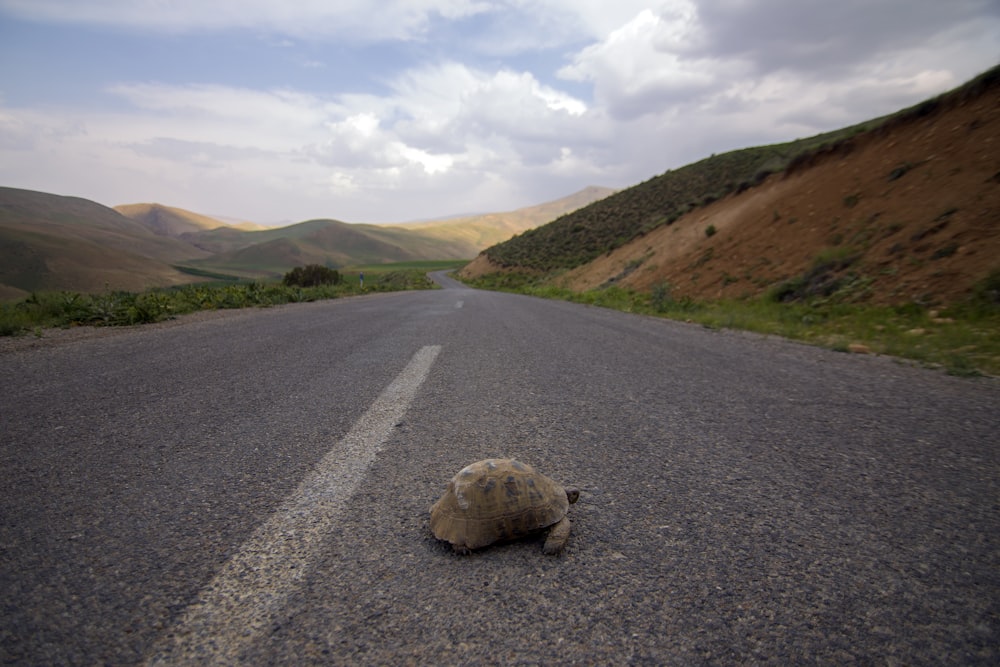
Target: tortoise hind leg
{"x":557,"y":537}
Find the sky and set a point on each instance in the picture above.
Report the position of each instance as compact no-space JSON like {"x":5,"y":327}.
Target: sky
{"x":278,"y":111}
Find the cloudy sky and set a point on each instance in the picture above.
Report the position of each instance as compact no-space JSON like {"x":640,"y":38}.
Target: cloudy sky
{"x":394,"y":110}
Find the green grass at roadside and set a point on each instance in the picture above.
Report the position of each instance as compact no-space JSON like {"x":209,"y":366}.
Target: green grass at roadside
{"x":964,"y":340}
{"x":117,"y":308}
{"x":400,"y":272}
{"x":423,"y":265}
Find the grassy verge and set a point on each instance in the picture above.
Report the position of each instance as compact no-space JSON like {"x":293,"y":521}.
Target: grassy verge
{"x":412,"y":273}
{"x":425,"y":266}
{"x":116,"y":308}
{"x":964,"y":340}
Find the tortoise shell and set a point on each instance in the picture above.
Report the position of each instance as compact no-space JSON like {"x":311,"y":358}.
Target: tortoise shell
{"x":497,"y":500}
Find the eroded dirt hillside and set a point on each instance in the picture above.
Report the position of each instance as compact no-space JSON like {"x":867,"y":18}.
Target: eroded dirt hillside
{"x":910,"y":212}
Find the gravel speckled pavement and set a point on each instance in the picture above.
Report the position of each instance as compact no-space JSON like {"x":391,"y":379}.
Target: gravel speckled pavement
{"x":744,"y":500}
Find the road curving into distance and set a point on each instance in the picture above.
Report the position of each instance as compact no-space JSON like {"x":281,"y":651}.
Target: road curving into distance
{"x":253,"y":489}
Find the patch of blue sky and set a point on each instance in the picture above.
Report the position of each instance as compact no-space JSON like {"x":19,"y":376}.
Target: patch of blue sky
{"x":87,"y":60}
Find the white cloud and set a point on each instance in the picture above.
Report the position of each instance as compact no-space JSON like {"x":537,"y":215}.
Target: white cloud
{"x":359,"y":142}
{"x":833,"y":62}
{"x":640,"y":87}
{"x":437,"y":129}
{"x":515,"y":104}
{"x":643,"y":66}
{"x":449,"y":116}
{"x":532,"y":26}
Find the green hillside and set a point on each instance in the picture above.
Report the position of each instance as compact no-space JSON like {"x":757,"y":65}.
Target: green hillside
{"x":578,"y":237}
{"x":327,"y":242}
{"x":334,"y":243}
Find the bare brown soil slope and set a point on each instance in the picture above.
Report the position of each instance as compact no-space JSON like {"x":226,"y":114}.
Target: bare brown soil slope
{"x":910,"y":212}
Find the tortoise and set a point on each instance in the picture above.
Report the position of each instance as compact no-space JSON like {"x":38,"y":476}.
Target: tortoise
{"x":498,"y":500}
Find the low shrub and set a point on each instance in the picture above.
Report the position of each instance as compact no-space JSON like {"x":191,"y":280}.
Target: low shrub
{"x":311,"y":275}
{"x":119,"y":308}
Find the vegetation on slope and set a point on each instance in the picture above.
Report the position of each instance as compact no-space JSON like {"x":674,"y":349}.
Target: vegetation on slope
{"x":577,"y":238}
{"x":583,"y":235}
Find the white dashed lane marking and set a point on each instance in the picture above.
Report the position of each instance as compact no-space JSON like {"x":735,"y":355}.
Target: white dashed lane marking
{"x":236,"y":607}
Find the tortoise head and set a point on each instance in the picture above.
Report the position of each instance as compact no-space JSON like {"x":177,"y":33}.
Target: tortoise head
{"x":572,"y":494}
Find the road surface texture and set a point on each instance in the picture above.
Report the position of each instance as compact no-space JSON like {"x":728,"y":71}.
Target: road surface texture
{"x":253,"y":488}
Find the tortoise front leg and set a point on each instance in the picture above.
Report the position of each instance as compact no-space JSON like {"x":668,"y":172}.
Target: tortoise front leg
{"x":557,"y":537}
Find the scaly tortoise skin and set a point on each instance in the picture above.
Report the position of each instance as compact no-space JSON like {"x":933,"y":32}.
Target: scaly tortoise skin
{"x":498,"y":500}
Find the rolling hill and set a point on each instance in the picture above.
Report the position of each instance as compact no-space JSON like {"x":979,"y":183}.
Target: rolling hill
{"x":271,"y":251}
{"x":901,"y":209}
{"x":50,"y":242}
{"x":327,"y":242}
{"x":171,"y":221}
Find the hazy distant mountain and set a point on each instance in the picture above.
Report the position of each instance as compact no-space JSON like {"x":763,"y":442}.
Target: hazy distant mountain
{"x":166,"y":220}
{"x":488,"y":229}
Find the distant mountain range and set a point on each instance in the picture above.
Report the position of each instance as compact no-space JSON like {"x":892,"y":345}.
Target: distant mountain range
{"x":51,"y":242}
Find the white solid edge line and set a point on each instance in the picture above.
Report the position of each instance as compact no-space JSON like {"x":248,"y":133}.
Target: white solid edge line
{"x":238,"y":605}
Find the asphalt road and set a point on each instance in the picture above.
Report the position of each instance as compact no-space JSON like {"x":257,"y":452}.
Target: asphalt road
{"x":254,"y":489}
